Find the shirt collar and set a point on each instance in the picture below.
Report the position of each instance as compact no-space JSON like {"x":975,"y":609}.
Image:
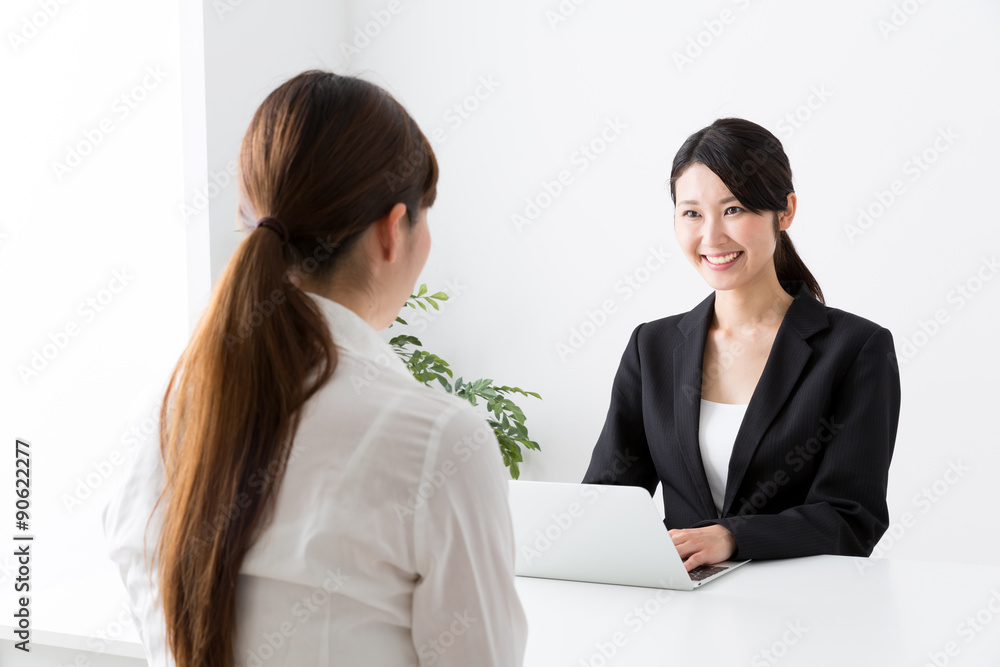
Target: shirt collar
{"x":352,"y":333}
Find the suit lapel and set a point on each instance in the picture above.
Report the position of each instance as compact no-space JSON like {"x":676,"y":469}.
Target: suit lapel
{"x":687,"y":395}
{"x":788,"y":356}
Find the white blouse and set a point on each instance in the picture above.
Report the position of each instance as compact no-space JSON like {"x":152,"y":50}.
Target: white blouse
{"x":391,"y":542}
{"x":718,"y":425}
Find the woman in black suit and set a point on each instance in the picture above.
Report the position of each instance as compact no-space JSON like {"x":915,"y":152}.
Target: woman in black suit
{"x":768,"y":417}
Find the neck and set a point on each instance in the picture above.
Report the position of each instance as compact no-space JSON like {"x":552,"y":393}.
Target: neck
{"x":748,"y":308}
{"x":362,"y":304}
{"x":360,"y":301}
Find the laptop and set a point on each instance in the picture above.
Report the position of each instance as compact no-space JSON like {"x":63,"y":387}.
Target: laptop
{"x":598,"y":533}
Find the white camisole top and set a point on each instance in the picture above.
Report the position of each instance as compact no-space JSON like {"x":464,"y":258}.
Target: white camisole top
{"x":718,"y":425}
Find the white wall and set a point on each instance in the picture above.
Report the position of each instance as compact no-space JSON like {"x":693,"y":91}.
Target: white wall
{"x":884,"y":100}
{"x":108,"y":263}
{"x":250,"y":48}
{"x":92,"y":262}
{"x":517,"y":294}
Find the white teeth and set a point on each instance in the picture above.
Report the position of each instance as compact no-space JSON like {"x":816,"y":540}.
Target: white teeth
{"x":725,"y":259}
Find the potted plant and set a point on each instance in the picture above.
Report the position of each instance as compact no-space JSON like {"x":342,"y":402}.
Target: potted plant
{"x":505,"y":416}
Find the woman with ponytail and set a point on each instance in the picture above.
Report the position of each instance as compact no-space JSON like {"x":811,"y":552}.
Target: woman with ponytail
{"x":310,"y":502}
{"x":768,"y":417}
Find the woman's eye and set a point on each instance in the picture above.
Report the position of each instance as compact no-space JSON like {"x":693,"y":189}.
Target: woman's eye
{"x":685,"y":214}
{"x":737,"y":208}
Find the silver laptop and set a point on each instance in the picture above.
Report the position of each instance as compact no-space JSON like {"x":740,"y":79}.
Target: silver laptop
{"x":599,"y":533}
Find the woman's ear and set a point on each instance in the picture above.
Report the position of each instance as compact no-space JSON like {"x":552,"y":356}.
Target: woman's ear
{"x":389,"y":233}
{"x":785,"y":217}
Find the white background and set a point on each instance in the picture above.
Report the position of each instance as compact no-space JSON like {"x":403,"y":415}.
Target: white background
{"x":516,"y":293}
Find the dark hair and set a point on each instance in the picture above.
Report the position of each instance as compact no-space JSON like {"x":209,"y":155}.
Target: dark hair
{"x":753,"y":165}
{"x":327,"y":155}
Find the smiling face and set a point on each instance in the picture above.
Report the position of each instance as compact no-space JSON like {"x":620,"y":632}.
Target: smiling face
{"x":729,"y":246}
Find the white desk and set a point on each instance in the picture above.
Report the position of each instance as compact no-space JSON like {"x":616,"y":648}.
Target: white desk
{"x":827,"y":610}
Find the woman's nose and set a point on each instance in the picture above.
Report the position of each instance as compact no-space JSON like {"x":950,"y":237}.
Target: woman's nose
{"x":712,"y":231}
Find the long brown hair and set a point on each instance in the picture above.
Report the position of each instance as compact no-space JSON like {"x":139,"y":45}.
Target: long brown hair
{"x":327,"y":155}
{"x":753,"y":165}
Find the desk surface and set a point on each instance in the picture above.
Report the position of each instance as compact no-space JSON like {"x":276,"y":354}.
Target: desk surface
{"x":826,"y":610}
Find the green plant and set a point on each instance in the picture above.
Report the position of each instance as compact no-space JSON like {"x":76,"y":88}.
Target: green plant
{"x":505,"y":417}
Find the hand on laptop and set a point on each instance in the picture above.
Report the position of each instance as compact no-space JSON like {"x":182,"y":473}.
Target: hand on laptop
{"x":703,"y":546}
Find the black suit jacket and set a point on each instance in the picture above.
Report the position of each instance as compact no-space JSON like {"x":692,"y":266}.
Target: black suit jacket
{"x":809,"y":467}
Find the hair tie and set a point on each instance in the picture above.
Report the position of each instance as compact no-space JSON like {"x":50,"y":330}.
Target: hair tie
{"x":277,"y":225}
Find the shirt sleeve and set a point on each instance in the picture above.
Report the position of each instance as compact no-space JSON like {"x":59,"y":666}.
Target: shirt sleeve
{"x":124,"y":520}
{"x":465,"y":607}
{"x":845,"y":511}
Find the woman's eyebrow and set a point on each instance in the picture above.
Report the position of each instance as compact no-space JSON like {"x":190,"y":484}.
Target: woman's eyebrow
{"x":694,"y":202}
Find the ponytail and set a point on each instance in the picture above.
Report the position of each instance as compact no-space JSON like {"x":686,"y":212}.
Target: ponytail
{"x":789,"y":266}
{"x":316,"y":156}
{"x":233,"y":399}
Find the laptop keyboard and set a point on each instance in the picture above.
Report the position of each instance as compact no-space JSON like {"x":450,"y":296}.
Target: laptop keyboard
{"x":705,"y":571}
